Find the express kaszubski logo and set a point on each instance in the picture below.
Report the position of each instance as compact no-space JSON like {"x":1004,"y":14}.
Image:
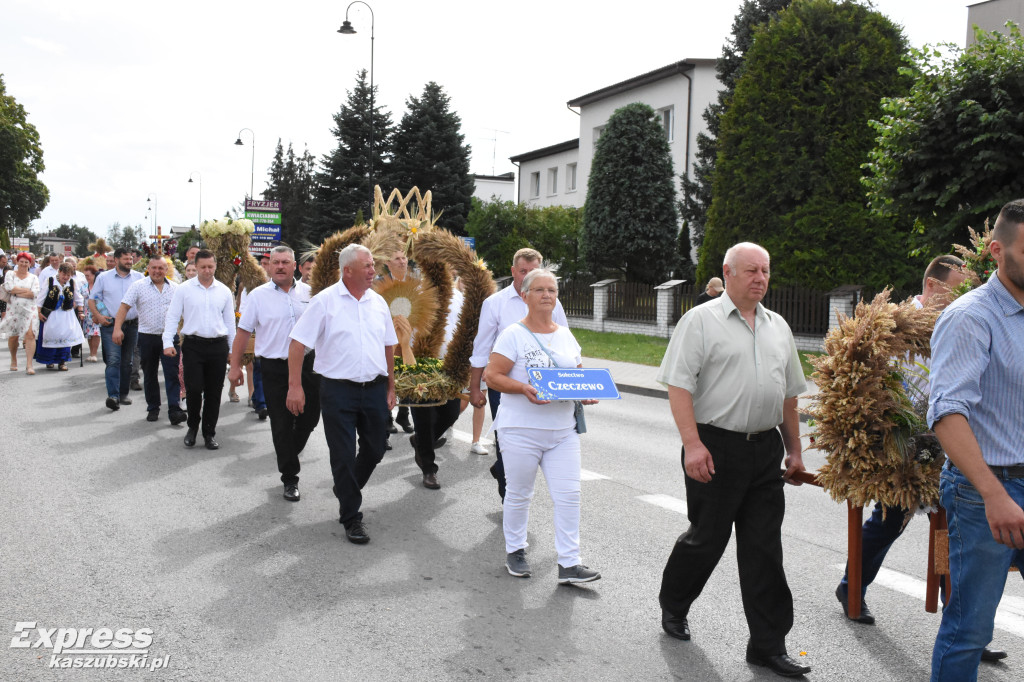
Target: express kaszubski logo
{"x":89,"y":647}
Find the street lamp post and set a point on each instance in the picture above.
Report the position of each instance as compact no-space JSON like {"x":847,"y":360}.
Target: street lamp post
{"x":252,"y":169}
{"x":346,"y":29}
{"x":151,"y":197}
{"x":200,"y":194}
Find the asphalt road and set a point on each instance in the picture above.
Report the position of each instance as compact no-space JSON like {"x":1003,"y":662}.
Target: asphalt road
{"x":108,"y":521}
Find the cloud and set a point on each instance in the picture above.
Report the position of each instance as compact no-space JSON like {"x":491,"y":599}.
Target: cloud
{"x":45,"y":45}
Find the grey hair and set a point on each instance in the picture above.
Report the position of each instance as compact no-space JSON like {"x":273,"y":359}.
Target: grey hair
{"x":534,"y":274}
{"x":730,"y":256}
{"x":347,"y":255}
{"x":281,"y":248}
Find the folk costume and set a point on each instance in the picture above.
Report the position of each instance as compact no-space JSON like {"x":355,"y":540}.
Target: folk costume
{"x":61,"y":330}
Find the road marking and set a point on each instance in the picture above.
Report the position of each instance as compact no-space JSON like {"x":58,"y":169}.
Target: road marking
{"x":1009,"y":615}
{"x":665,"y":502}
{"x":468,"y":438}
{"x":592,"y":476}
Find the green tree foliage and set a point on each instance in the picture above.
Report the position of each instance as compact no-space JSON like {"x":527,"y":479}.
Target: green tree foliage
{"x":22,"y":195}
{"x":188,"y":239}
{"x":630,"y":224}
{"x":430,"y":153}
{"x":83,"y":235}
{"x":127,"y":237}
{"x":696,"y":193}
{"x":792,"y":143}
{"x":291,"y":182}
{"x":342,"y":186}
{"x":503,"y":227}
{"x":951,"y":153}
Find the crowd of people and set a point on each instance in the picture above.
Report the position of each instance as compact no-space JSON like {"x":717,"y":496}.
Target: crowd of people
{"x":331,"y":358}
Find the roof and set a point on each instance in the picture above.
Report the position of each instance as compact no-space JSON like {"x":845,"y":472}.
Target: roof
{"x":508,"y":177}
{"x":546,"y":151}
{"x":643,"y":79}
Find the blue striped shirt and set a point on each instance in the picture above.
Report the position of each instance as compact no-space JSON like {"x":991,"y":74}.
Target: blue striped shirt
{"x":978,"y":370}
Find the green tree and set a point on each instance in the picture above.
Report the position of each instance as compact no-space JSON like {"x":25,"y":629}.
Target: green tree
{"x":83,"y":235}
{"x":791,"y":145}
{"x":291,"y":182}
{"x":188,"y":239}
{"x":501,"y":228}
{"x":951,"y":153}
{"x":22,"y":195}
{"x":696,"y":193}
{"x":127,"y":237}
{"x":630,"y":223}
{"x":430,"y":153}
{"x":342,"y":184}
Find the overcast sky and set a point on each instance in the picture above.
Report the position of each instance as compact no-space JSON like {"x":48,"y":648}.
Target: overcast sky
{"x":131,"y":97}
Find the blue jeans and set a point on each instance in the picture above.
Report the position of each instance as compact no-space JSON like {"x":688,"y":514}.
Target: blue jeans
{"x":977,"y":571}
{"x":118,"y":359}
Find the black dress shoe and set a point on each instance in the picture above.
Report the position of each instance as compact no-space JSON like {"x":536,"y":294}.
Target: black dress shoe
{"x":291,"y":493}
{"x":430,"y":481}
{"x":992,"y":655}
{"x":190,"y":437}
{"x":387,"y":443}
{"x":177,"y":416}
{"x":780,"y":664}
{"x":406,"y":426}
{"x":675,"y":627}
{"x":112,"y":404}
{"x":136,"y":386}
{"x":392,"y":428}
{"x":125,"y":400}
{"x":211,"y":443}
{"x":865,"y":616}
{"x":152,"y":415}
{"x":356,"y":533}
{"x":263,"y":413}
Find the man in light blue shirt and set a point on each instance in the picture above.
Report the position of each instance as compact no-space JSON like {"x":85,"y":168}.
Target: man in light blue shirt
{"x":977,"y":411}
{"x":109,"y":289}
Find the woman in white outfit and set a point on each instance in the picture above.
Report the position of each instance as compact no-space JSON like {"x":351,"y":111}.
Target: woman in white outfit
{"x":22,"y":317}
{"x":538,"y":433}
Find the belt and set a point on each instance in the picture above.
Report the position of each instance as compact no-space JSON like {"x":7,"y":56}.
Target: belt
{"x":1015,"y":471}
{"x":739,"y":435}
{"x":360,"y":384}
{"x":204,"y":339}
{"x":130,"y":322}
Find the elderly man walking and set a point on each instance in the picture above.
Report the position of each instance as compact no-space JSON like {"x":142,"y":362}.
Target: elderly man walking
{"x":150,"y":297}
{"x":349,"y":326}
{"x":104,"y":302}
{"x":976,"y":409}
{"x":733,"y":377}
{"x":271,"y":313}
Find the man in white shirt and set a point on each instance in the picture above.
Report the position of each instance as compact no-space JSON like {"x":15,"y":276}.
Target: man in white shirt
{"x":49,"y":269}
{"x":501,"y":310}
{"x":271,"y":312}
{"x":209,"y":312}
{"x":349,"y":326}
{"x":151,"y":297}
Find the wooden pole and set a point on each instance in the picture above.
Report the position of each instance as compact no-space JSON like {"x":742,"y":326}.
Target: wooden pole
{"x":854,"y":541}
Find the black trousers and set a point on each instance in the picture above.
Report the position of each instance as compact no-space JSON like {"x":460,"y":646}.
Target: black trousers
{"x":430,"y":423}
{"x":203,"y":365}
{"x":498,"y":468}
{"x":289,"y":432}
{"x":746,"y":490}
{"x":346,"y":408}
{"x":151,"y":350}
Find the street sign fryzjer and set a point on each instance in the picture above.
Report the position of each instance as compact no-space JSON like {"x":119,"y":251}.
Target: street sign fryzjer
{"x":257,"y":205}
{"x":577,"y":383}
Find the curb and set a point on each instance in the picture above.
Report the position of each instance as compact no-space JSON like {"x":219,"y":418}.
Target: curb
{"x":659,"y":393}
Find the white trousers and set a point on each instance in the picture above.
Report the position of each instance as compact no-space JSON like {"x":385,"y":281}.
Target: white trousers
{"x":557,"y":453}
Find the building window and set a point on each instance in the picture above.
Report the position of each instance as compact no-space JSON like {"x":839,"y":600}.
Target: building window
{"x":534,"y":185}
{"x":597,"y":134}
{"x":570,"y":177}
{"x":667,"y":117}
{"x":552,"y":181}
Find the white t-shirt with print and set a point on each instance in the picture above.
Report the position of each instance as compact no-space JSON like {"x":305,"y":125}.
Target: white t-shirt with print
{"x":519,"y":345}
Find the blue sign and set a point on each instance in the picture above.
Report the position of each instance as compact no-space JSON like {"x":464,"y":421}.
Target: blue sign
{"x":267,"y":231}
{"x":555,"y":383}
{"x":469,"y":241}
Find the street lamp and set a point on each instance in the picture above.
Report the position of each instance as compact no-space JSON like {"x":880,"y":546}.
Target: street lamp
{"x":252,"y":169}
{"x":346,"y":29}
{"x":200,"y":194}
{"x":151,"y":197}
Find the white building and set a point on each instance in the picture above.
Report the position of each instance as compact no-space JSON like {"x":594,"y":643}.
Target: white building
{"x":679,"y":93}
{"x":992,"y":15}
{"x":490,"y":187}
{"x":50,"y":243}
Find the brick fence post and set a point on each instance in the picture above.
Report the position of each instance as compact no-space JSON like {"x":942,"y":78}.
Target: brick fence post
{"x":842,"y":300}
{"x":601,"y":301}
{"x":666,"y":301}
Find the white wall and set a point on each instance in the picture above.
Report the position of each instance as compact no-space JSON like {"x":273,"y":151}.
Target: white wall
{"x":991,"y":16}
{"x":561,"y":196}
{"x":486,"y":190}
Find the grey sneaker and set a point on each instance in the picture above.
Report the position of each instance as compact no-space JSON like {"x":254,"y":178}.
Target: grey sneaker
{"x":575,"y":574}
{"x":516,"y":564}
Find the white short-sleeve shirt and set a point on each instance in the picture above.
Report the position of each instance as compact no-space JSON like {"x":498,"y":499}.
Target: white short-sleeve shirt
{"x":271,"y":313}
{"x":519,"y":345}
{"x":348,"y":335}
